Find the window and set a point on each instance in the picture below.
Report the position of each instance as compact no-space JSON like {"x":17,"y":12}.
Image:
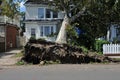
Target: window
{"x":33,"y":32}
{"x":48,"y":13}
{"x":55,"y":14}
{"x":51,"y":14}
{"x":46,"y":30}
{"x":41,"y":13}
{"x":41,"y":31}
{"x":52,"y":31}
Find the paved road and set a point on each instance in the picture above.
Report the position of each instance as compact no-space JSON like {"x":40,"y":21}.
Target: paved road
{"x":61,"y":72}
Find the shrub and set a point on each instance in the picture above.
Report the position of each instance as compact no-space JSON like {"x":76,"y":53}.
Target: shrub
{"x":85,"y":50}
{"x":20,"y":62}
{"x":41,"y":39}
{"x":32,"y":40}
{"x":86,"y":41}
{"x":52,"y":34}
{"x":115,"y":40}
{"x":98,"y":45}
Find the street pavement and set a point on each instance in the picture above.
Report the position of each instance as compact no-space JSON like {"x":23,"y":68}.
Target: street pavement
{"x":61,"y":72}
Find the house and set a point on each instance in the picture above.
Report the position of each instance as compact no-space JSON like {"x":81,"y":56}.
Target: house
{"x":113,"y":33}
{"x":41,"y":21}
{"x":9,"y":31}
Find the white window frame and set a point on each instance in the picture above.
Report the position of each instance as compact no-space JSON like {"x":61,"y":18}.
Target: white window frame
{"x":45,"y":10}
{"x":54,"y":29}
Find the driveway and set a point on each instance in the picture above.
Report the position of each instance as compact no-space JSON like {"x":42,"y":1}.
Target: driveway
{"x":6,"y":58}
{"x":62,"y":72}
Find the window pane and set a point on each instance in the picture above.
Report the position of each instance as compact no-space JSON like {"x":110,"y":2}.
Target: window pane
{"x":32,"y":32}
{"x":47,"y":30}
{"x":48,"y":13}
{"x":55,"y":14}
{"x":52,"y":31}
{"x":40,"y":12}
{"x":41,"y":31}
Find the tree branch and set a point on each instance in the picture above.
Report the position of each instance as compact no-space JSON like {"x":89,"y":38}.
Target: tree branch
{"x":74,"y":7}
{"x":73,"y":18}
{"x":63,"y":5}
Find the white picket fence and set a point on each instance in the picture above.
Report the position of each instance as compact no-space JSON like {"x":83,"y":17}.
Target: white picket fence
{"x":111,"y":49}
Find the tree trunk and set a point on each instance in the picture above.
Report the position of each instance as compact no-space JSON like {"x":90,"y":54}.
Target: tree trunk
{"x":108,"y":35}
{"x":61,"y":38}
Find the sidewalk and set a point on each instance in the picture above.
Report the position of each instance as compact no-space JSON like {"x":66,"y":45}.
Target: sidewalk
{"x":6,"y":58}
{"x":114,"y":56}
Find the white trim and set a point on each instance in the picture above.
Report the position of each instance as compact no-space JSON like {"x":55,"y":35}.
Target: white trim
{"x":44,"y":13}
{"x":35,"y":5}
{"x":55,"y":30}
{"x":43,"y":31}
{"x":42,"y":22}
{"x":5,"y":38}
{"x":51,"y":14}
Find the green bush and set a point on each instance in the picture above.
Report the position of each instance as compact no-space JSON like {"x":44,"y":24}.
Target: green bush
{"x":41,"y":39}
{"x":115,"y":40}
{"x":85,"y":50}
{"x":20,"y":62}
{"x":99,"y":44}
{"x":32,"y":39}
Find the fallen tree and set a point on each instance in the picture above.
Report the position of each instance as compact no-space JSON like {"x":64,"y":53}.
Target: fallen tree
{"x":39,"y":51}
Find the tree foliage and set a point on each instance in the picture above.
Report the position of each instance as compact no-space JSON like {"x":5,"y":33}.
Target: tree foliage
{"x":97,"y":19}
{"x":9,"y":8}
{"x":93,"y":17}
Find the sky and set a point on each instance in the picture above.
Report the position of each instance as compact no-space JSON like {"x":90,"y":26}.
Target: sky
{"x":22,"y":7}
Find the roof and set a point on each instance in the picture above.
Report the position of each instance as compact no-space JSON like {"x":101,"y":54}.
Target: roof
{"x":44,"y":21}
{"x":38,"y":2}
{"x":9,"y":25}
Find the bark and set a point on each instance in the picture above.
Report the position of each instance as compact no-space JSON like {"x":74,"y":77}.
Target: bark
{"x":61,"y":38}
{"x":73,"y":18}
{"x":108,"y":35}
